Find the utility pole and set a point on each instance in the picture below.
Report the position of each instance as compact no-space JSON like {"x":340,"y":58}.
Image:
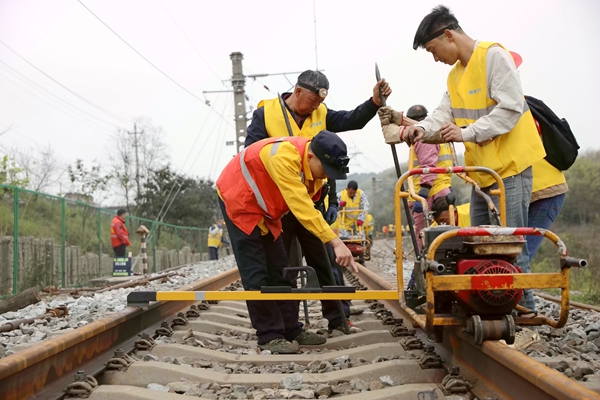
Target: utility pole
{"x":374,"y":195}
{"x":135,"y":134}
{"x":238,"y":81}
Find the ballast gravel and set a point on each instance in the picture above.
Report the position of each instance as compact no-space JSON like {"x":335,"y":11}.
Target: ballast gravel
{"x":92,"y":307}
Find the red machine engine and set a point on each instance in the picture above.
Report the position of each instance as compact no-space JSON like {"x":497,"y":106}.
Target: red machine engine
{"x":356,"y":248}
{"x":488,"y":301}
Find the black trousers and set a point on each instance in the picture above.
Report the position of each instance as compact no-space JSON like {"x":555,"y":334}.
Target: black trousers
{"x":316,"y":257}
{"x":120,"y":251}
{"x":261,"y":261}
{"x":213,"y":253}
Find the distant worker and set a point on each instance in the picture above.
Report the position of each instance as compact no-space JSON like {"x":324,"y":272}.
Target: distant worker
{"x":392,"y":230}
{"x":441,"y":213}
{"x":430,"y":186}
{"x":261,"y":184}
{"x":307,"y":116}
{"x":354,"y":205}
{"x":119,"y":236}
{"x":215,"y":240}
{"x":370,"y":224}
{"x":385,"y":230}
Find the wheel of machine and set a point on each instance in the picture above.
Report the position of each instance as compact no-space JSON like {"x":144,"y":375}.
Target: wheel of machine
{"x":476,"y":329}
{"x":368,"y":251}
{"x":511,"y":331}
{"x":361,"y":258}
{"x":492,"y":329}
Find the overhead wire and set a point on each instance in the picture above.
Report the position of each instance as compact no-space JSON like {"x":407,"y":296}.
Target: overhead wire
{"x":14,"y":71}
{"x":216,"y":159}
{"x":148,"y":61}
{"x":98,"y":128}
{"x":161,"y":217}
{"x":65,"y":87}
{"x":190,"y":42}
{"x":191,"y":166}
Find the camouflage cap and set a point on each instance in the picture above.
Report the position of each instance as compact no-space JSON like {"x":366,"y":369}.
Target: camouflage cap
{"x":315,"y":81}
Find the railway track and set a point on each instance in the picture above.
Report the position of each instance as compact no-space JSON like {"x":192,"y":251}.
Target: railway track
{"x":212,"y":353}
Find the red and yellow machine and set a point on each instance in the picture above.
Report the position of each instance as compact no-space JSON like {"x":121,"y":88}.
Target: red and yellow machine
{"x":467,"y":277}
{"x":356,"y":237}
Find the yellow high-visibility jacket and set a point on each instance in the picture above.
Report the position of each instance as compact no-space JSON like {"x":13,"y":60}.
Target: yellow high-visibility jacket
{"x":508,"y":154}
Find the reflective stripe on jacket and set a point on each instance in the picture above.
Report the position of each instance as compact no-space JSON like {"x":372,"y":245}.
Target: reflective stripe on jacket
{"x":249,"y":187}
{"x":442,"y":181}
{"x":508,"y":154}
{"x":275,"y":123}
{"x":118,"y":232}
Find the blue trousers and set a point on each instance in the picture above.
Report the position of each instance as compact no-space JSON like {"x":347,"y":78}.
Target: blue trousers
{"x":518,"y":195}
{"x":542,"y":214}
{"x":213,"y":253}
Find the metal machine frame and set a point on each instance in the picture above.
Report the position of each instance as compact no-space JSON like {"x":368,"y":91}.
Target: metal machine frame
{"x":429,"y":321}
{"x":434,"y":283}
{"x":361,"y":236}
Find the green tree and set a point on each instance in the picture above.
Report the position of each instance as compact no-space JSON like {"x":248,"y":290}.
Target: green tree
{"x":178,"y":199}
{"x":86,"y":181}
{"x":10,"y":174}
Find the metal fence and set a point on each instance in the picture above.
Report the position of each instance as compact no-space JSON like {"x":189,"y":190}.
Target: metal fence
{"x":51,"y":240}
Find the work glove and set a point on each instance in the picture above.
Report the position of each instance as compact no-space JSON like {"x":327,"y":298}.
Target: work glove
{"x":331,"y":215}
{"x":387,"y":115}
{"x":342,"y":203}
{"x":417,"y":207}
{"x":393,"y":134}
{"x":360,"y":222}
{"x":424,"y":193}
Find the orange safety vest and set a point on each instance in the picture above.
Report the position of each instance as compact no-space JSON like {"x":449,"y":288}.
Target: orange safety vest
{"x":118,"y":224}
{"x":249,"y":192}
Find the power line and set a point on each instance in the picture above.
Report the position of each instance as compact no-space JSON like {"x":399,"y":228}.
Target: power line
{"x":161,"y":215}
{"x":98,"y":128}
{"x":191,"y":166}
{"x":64,"y":87}
{"x":147,"y":60}
{"x":14,"y":71}
{"x":190,"y":42}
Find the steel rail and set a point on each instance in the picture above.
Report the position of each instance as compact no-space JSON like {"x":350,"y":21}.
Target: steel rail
{"x":572,"y":304}
{"x":27,"y":372}
{"x":508,"y":373}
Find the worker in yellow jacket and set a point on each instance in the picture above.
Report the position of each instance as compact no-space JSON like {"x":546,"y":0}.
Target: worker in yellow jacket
{"x":485,"y":108}
{"x":354,"y":205}
{"x":215,"y":240}
{"x":441,"y":213}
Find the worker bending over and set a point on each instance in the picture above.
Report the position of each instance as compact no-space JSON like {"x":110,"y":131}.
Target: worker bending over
{"x":261,"y":184}
{"x":307,"y":115}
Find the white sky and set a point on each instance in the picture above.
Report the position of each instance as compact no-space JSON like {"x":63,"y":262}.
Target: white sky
{"x":558,"y":40}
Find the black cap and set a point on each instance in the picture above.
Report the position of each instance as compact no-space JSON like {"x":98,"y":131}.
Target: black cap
{"x":442,"y":204}
{"x":314,"y":81}
{"x":332,"y":152}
